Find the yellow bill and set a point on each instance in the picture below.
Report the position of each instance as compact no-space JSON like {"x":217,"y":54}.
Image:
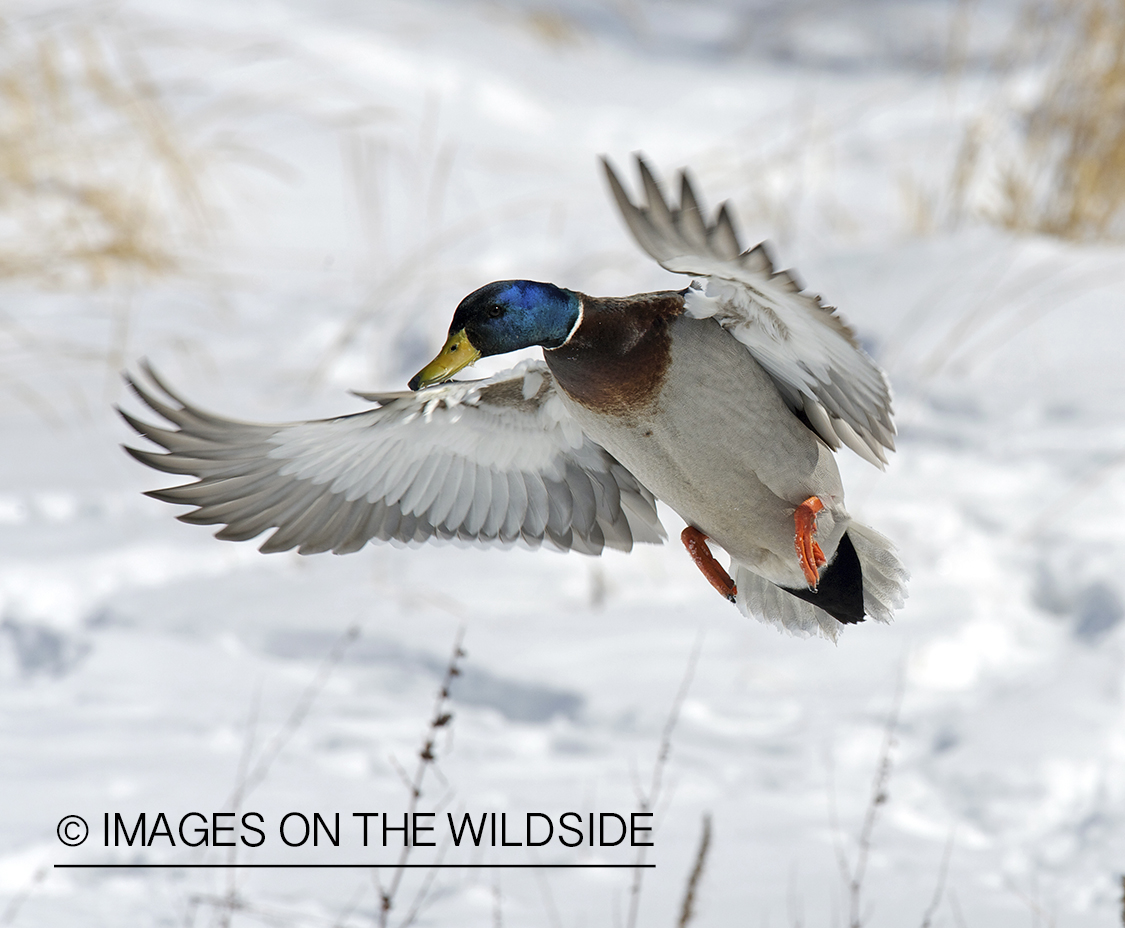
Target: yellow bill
{"x":457,"y":353}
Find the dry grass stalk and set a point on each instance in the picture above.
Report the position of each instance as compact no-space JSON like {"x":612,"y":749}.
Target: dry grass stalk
{"x":646,"y":801}
{"x":1076,"y":135}
{"x":939,"y":889}
{"x":687,"y":910}
{"x":8,"y":917}
{"x":224,"y":906}
{"x":1058,"y":164}
{"x":95,"y":181}
{"x":1054,"y":165}
{"x":853,"y":876}
{"x":427,"y":759}
{"x":250,"y":777}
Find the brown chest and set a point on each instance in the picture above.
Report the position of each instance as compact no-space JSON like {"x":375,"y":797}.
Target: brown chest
{"x":616,"y":360}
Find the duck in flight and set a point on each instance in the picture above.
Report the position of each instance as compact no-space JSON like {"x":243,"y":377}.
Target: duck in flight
{"x":726,"y":400}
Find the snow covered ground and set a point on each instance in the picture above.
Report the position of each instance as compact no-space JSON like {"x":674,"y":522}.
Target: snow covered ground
{"x":369,"y":164}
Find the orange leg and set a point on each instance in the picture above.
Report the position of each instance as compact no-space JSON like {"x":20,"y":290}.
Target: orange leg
{"x":696,"y":543}
{"x":808,"y":551}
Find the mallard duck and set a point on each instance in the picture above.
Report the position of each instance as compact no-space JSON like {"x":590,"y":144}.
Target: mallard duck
{"x":725,"y":400}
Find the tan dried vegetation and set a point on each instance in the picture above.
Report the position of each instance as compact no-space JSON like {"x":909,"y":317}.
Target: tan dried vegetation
{"x":96,"y":184}
{"x":1051,"y":161}
{"x":1071,"y":182}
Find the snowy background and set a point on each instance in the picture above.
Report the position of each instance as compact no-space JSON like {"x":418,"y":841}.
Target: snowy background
{"x":330,"y":179}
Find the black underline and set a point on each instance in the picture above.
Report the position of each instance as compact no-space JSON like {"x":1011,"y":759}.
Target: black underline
{"x":392,"y":866}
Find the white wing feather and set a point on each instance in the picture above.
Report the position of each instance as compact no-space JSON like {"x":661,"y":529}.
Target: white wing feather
{"x":810,"y":353}
{"x":495,"y":461}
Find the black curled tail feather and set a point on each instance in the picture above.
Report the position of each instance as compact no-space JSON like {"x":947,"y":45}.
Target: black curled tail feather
{"x":840,"y":591}
{"x":874,"y":587}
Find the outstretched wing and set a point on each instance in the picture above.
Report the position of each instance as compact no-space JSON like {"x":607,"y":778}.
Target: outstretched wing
{"x":493,"y":461}
{"x":810,"y":353}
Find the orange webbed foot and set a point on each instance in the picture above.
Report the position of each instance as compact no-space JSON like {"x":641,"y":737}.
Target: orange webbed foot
{"x":808,"y":551}
{"x":696,"y":543}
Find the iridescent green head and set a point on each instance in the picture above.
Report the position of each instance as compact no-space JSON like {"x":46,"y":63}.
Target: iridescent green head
{"x":503,"y":316}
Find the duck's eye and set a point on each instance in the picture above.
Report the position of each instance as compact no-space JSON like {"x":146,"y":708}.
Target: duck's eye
{"x":495,"y":311}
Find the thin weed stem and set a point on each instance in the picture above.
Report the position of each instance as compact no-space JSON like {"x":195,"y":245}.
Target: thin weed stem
{"x":646,"y":801}
{"x":687,"y":909}
{"x":943,"y":875}
{"x":439,"y":720}
{"x":273,"y":749}
{"x":853,"y":876}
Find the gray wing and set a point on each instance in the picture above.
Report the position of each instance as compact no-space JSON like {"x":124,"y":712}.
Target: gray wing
{"x":810,"y":353}
{"x":493,"y":461}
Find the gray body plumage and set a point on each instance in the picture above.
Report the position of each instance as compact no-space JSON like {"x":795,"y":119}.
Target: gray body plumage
{"x":719,"y":445}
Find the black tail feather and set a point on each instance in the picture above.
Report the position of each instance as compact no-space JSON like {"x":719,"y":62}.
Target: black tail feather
{"x":840,"y":592}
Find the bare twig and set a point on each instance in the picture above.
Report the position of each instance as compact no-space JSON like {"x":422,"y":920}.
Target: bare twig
{"x":247,"y":778}
{"x":426,"y":759}
{"x":955,"y":909}
{"x":301,"y":709}
{"x":943,"y":874}
{"x":548,"y":899}
{"x":647,"y":801}
{"x":353,"y":904}
{"x":247,"y":753}
{"x":878,"y":799}
{"x":853,"y":876}
{"x":281,"y":917}
{"x":497,"y":902}
{"x":687,"y":910}
{"x":17,"y":901}
{"x":423,"y":893}
{"x":1040,"y":915}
